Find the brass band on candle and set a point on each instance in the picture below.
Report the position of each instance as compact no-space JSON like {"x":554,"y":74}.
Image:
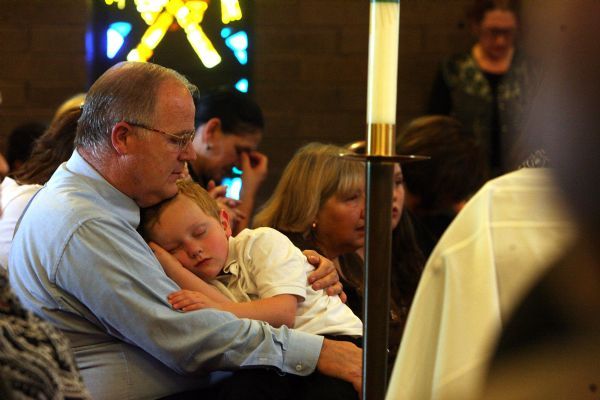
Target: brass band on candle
{"x":381,"y":139}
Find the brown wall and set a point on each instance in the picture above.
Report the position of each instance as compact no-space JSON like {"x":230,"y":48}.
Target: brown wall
{"x":311,"y":67}
{"x":310,"y":64}
{"x":42,"y":58}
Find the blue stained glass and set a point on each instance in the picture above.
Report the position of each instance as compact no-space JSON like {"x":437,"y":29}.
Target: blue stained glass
{"x":237,"y":41}
{"x":242,"y":85}
{"x":115,"y":37}
{"x":234,"y":187}
{"x":225,"y":32}
{"x":242,"y":56}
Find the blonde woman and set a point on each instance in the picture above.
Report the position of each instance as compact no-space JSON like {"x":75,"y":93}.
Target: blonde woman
{"x":319,"y":204}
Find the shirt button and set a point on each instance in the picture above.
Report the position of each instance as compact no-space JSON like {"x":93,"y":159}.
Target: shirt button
{"x":298,"y":367}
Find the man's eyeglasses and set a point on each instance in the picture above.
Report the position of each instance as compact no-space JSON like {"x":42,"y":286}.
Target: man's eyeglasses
{"x":179,"y":141}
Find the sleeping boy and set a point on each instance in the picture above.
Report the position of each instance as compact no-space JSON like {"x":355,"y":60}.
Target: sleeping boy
{"x":259,"y":273}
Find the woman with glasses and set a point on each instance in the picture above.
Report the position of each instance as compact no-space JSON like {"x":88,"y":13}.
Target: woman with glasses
{"x":487,"y":87}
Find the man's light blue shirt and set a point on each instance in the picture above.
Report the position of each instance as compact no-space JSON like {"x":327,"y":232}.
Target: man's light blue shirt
{"x":78,"y":261}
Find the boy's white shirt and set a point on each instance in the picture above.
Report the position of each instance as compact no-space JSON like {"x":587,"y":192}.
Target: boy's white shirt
{"x":263,"y":263}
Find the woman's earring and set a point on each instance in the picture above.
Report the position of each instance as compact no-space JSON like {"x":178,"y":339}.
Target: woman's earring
{"x":312,"y":233}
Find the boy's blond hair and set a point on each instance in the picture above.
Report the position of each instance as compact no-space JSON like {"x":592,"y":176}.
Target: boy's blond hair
{"x":187,"y":188}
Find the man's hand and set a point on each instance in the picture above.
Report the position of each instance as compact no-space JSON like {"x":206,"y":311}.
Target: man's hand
{"x":341,"y":360}
{"x":325,"y":276}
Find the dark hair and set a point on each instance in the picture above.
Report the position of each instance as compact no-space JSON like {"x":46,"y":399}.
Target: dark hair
{"x":479,"y":8}
{"x":456,"y":168}
{"x":407,"y":261}
{"x":20,"y":142}
{"x":50,"y":150}
{"x":237,"y":112}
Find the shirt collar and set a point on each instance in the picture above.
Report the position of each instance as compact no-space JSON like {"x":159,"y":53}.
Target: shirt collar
{"x":120,"y":203}
{"x":231,"y":265}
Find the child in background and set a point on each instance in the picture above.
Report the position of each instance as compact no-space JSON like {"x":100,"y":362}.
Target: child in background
{"x":259,"y":273}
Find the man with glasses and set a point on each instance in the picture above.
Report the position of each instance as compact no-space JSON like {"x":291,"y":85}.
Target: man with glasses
{"x":78,"y":261}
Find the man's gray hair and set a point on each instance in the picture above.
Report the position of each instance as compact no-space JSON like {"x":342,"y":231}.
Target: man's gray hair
{"x":125,"y":92}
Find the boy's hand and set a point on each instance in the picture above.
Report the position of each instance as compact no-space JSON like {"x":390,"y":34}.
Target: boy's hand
{"x":189,"y":300}
{"x":325,"y":276}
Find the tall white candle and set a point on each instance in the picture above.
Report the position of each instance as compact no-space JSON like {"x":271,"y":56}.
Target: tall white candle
{"x":384,"y":32}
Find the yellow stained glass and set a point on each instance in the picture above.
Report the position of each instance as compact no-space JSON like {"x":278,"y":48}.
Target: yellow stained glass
{"x":230,"y":11}
{"x":119,"y":3}
{"x":160,"y":14}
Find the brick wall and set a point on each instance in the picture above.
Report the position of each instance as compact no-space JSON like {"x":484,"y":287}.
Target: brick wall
{"x":42,"y":58}
{"x":311,"y":67}
{"x":310,"y":64}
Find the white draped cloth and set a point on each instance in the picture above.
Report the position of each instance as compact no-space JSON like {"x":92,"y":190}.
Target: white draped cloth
{"x":496,"y":248}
